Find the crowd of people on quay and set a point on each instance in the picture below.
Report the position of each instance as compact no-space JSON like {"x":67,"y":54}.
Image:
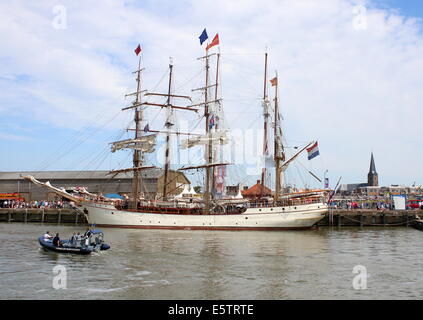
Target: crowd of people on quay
{"x":377,"y":205}
{"x":368,"y":204}
{"x":15,"y":204}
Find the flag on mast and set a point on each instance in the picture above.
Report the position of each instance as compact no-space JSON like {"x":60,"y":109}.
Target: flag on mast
{"x":211,"y":122}
{"x":219,"y":181}
{"x":203,"y":37}
{"x":274,"y":81}
{"x":313,"y":151}
{"x":215,"y":42}
{"x":326,"y":183}
{"x":138,"y":50}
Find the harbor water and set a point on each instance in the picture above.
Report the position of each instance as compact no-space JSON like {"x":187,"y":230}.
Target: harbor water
{"x":328,"y":263}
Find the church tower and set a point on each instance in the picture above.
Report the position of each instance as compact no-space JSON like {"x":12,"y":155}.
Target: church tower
{"x":372,"y":178}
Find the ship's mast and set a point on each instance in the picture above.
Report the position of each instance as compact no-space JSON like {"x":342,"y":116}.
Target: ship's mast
{"x":209,"y":151}
{"x":279,"y":156}
{"x":168,"y":125}
{"x":137,"y":158}
{"x":146,"y":143}
{"x":209,"y":145}
{"x":217,"y":76}
{"x":217,"y":119}
{"x":266,"y":120}
{"x":208,"y":116}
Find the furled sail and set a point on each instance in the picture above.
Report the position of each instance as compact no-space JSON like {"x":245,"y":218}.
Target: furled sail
{"x":144,"y":144}
{"x":83,"y":190}
{"x":219,"y":137}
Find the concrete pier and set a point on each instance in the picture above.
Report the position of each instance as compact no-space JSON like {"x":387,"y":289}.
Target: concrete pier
{"x":46,"y":215}
{"x":367,"y":218}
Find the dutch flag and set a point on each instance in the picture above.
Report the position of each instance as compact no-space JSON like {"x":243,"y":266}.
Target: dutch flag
{"x":313,"y":151}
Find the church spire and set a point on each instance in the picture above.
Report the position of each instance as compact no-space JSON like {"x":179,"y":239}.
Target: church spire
{"x":372,"y":165}
{"x":372,"y":177}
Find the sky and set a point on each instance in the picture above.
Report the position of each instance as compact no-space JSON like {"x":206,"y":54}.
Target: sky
{"x":349,"y":77}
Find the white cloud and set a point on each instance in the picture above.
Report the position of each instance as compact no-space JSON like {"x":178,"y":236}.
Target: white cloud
{"x":353,"y":90}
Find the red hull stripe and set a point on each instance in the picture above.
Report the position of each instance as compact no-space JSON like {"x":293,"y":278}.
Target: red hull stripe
{"x":204,"y":228}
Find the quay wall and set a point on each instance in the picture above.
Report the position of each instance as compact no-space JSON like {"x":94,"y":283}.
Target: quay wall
{"x":46,"y":215}
{"x":335,"y":217}
{"x":370,"y":217}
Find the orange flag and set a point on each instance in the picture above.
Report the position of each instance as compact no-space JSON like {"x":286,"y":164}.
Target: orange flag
{"x":274,"y":81}
{"x":215,"y":42}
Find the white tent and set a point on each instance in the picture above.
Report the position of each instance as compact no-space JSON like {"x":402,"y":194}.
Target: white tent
{"x":192,"y":191}
{"x":239,"y":195}
{"x":184,"y":192}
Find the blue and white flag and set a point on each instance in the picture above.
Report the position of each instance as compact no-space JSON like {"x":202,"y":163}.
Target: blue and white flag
{"x":211,"y":122}
{"x":203,"y":37}
{"x":313,"y":151}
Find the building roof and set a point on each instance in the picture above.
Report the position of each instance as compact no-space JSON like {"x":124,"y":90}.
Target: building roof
{"x":352,"y":186}
{"x":257,"y":190}
{"x":153,"y":173}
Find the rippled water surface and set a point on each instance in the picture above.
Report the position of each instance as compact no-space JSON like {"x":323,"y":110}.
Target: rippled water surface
{"x":161,"y":264}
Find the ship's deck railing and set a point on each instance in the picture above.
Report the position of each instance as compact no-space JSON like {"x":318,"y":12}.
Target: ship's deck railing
{"x":286,"y":202}
{"x":104,"y":202}
{"x":255,"y":204}
{"x":230,"y":208}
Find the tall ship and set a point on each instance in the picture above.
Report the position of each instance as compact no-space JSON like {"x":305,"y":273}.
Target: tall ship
{"x":266,"y":211}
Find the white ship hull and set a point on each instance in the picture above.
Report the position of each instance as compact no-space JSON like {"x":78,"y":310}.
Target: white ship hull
{"x":266,"y":218}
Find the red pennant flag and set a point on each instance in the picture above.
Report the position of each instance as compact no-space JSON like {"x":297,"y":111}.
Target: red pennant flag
{"x":274,"y":81}
{"x":138,"y":50}
{"x":215,"y":42}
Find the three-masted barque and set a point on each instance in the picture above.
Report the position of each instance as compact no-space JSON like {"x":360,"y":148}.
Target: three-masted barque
{"x":277,"y":212}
